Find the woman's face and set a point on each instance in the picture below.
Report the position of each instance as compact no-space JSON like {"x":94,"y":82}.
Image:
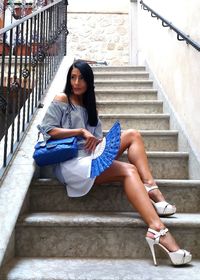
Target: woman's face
{"x":78,"y":84}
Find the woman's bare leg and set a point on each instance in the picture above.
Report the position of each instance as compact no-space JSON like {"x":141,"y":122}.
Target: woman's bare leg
{"x":137,"y":195}
{"x":132,"y":141}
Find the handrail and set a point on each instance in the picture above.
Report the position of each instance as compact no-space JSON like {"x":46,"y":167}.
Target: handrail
{"x":181,"y":36}
{"x":25,"y":18}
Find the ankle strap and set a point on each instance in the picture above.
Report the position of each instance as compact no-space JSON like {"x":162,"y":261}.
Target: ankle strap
{"x":158,"y":234}
{"x":150,"y":188}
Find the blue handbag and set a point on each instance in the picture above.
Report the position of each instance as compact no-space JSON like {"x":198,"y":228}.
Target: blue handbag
{"x":54,"y":151}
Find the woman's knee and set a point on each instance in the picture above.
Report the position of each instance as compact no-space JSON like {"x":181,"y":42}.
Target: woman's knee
{"x":130,"y":170}
{"x":134,"y":134}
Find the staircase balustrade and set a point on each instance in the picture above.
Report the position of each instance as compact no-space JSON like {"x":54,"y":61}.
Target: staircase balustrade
{"x":31,"y":50}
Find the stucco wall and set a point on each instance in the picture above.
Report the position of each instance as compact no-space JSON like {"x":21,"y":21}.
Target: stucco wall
{"x":99,"y":30}
{"x":176,"y":64}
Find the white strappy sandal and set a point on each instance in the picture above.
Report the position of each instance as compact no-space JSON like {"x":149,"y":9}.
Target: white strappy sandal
{"x":179,"y":257}
{"x":163,"y":208}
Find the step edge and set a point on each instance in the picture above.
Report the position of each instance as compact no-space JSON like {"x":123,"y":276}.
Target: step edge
{"x":52,"y":182}
{"x":99,"y":219}
{"x":124,"y":102}
{"x":139,"y":90}
{"x":146,"y":116}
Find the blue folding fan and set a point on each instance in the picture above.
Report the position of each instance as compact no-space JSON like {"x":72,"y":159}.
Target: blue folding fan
{"x":106,"y":151}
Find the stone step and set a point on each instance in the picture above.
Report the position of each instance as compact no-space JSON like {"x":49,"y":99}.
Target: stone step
{"x":97,"y":269}
{"x":168,"y":165}
{"x":158,"y":140}
{"x":120,"y":75}
{"x":127,"y":68}
{"x":125,"y":94}
{"x":97,"y":235}
{"x":129,"y":107}
{"x":121,"y":84}
{"x":136,"y":121}
{"x":50,"y":195}
{"x":164,"y":165}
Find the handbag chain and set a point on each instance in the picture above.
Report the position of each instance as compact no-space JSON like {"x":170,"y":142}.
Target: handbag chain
{"x":70,"y":117}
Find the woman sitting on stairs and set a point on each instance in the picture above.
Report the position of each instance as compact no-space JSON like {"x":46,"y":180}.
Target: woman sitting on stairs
{"x":139,"y":185}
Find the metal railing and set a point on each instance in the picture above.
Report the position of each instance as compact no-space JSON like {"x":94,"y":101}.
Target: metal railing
{"x":31,"y":49}
{"x":181,"y":36}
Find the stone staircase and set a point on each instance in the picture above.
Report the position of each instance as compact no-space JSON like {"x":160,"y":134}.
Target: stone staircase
{"x":100,"y":236}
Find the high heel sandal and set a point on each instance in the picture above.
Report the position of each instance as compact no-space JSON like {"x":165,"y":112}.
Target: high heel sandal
{"x":179,"y":257}
{"x":163,"y":208}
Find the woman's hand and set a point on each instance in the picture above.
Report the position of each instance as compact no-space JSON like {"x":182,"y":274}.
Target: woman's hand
{"x":91,"y":140}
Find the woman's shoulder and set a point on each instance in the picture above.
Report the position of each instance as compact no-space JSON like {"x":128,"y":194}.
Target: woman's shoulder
{"x":62,"y":97}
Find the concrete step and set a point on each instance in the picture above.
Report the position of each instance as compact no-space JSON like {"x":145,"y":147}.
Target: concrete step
{"x":126,"y":94}
{"x":97,"y":235}
{"x":164,"y":165}
{"x":136,"y":121}
{"x":123,"y":69}
{"x":159,"y":140}
{"x":121,"y":75}
{"x":96,"y":269}
{"x":129,"y":107}
{"x":121,"y":84}
{"x":49,"y":195}
{"x":163,"y":140}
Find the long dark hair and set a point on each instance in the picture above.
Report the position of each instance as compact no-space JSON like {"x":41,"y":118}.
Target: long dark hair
{"x":89,"y":100}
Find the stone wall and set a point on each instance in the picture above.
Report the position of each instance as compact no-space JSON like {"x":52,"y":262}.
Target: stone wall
{"x":99,"y":36}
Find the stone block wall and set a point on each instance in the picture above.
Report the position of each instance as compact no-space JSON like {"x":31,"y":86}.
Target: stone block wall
{"x":99,"y":37}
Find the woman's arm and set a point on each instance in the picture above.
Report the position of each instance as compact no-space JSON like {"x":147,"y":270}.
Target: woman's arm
{"x":58,"y":132}
{"x":90,"y":140}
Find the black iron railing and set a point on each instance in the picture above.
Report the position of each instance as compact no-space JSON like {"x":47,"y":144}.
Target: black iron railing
{"x":31,"y":50}
{"x":181,"y":36}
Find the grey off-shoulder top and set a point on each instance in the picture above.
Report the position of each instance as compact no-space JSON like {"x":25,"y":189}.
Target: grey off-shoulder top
{"x":60,"y":114}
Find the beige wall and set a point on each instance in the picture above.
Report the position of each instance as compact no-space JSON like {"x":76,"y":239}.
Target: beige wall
{"x":99,"y":30}
{"x":176,"y":64}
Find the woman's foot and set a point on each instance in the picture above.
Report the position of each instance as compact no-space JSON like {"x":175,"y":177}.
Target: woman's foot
{"x":166,"y":242}
{"x":162,"y":207}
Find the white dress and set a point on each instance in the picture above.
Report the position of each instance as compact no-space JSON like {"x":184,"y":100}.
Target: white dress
{"x":74,"y":173}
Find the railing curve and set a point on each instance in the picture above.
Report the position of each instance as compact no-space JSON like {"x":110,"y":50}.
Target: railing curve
{"x":181,"y":36}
